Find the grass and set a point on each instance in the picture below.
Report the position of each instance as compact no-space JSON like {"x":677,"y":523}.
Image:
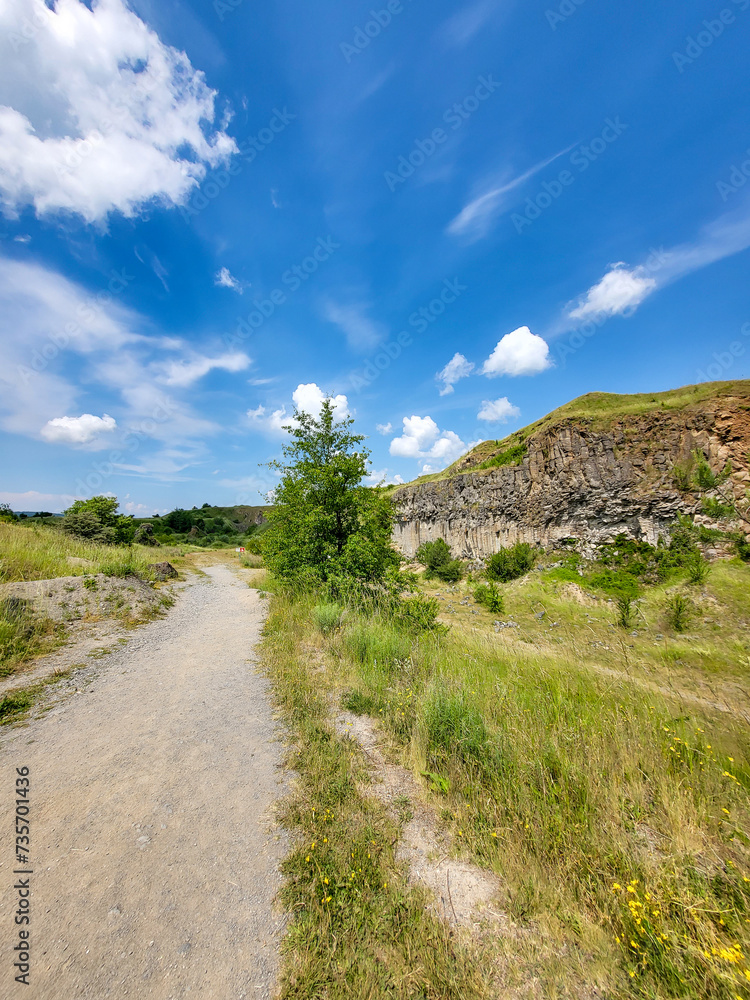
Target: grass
{"x":357,"y":929}
{"x":23,"y":634}
{"x":15,"y":705}
{"x":42,"y":552}
{"x":574,"y":760}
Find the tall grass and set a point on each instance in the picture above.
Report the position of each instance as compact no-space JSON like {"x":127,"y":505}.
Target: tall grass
{"x":23,"y":634}
{"x":42,"y":552}
{"x":609,"y":813}
{"x":357,"y":929}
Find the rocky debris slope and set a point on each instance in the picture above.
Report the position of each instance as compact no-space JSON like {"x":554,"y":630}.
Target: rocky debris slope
{"x":580,"y":478}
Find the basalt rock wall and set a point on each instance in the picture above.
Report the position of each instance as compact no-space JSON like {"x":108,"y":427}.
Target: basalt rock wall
{"x":578,"y":480}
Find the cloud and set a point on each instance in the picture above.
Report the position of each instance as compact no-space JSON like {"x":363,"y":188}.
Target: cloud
{"x":423,"y":439}
{"x":384,"y":428}
{"x":361,"y":332}
{"x":77,"y":430}
{"x":622,"y":289}
{"x":100,"y":115}
{"x":518,"y":353}
{"x":184,"y":372}
{"x":460,"y":28}
{"x":307,"y":397}
{"x":457,"y":368}
{"x":381,"y":477}
{"x":225,"y":279}
{"x":498,"y":412}
{"x":619,"y":291}
{"x":56,"y":503}
{"x":475,"y":219}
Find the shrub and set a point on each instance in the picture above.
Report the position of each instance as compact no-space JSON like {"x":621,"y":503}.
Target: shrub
{"x":742,"y":547}
{"x":436,"y":558}
{"x":511,"y":456}
{"x":716,"y":509}
{"x":451,"y":572}
{"x":509,"y":564}
{"x":698,"y":568}
{"x":679,"y":611}
{"x":489,"y":597}
{"x":433,"y":556}
{"x":327,"y":617}
{"x":625,"y":610}
{"x":418,"y":614}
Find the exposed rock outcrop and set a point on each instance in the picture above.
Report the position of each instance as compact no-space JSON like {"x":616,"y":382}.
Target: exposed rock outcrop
{"x":582,"y":478}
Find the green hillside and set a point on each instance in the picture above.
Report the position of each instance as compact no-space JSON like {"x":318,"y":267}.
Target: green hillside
{"x":598,"y":410}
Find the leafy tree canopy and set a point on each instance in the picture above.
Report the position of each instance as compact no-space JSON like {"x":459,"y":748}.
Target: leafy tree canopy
{"x":98,"y":519}
{"x":325,"y":522}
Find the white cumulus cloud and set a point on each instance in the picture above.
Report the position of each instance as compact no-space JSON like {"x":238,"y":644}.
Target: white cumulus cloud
{"x":384,"y":428}
{"x":307,"y":397}
{"x":423,"y":439}
{"x":498,"y":412}
{"x":456,"y":369}
{"x":77,"y":430}
{"x":99,"y":115}
{"x":619,"y":290}
{"x":518,"y":353}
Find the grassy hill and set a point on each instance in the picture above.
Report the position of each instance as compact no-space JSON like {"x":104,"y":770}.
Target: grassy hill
{"x":597,"y":410}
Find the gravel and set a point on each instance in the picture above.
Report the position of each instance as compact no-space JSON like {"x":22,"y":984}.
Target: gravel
{"x":154,"y":777}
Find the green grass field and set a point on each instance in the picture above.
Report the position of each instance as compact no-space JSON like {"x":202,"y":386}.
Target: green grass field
{"x":603,"y":776}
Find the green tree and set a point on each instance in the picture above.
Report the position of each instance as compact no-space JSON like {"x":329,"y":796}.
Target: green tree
{"x":324,"y":522}
{"x":98,"y":519}
{"x":6,"y":513}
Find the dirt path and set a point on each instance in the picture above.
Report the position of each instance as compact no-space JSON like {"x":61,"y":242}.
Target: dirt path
{"x":154,"y":855}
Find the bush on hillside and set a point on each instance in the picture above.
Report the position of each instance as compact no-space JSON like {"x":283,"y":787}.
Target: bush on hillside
{"x":436,"y":558}
{"x":509,"y":564}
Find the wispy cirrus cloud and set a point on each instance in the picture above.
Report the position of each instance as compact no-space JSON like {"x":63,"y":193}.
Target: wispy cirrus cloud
{"x":475,"y":219}
{"x":362,"y":333}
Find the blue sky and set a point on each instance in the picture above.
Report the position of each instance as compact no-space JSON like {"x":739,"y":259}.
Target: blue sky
{"x":450,"y":218}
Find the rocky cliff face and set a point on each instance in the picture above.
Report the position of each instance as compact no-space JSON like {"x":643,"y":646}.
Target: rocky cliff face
{"x":579,"y":480}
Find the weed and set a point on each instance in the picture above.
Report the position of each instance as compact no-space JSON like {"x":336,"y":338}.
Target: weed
{"x":356,"y":927}
{"x":698,"y":568}
{"x":489,"y":597}
{"x":327,"y":617}
{"x":625,"y":610}
{"x":679,"y":611}
{"x":511,"y":456}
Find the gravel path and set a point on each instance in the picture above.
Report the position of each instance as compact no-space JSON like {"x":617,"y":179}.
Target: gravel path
{"x":153,"y":847}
